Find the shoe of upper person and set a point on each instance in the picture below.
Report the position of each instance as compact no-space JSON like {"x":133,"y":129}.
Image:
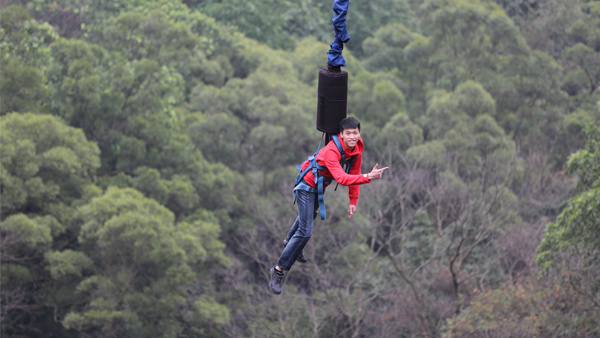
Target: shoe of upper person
{"x":276,"y":281}
{"x":301,"y":258}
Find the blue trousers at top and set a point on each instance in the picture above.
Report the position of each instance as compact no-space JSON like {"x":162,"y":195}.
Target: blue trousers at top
{"x":301,"y":229}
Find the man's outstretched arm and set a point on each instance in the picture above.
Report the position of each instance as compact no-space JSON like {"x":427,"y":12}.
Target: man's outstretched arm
{"x":375,"y":174}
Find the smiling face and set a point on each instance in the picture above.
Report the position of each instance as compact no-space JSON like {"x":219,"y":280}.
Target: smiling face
{"x":350,"y":137}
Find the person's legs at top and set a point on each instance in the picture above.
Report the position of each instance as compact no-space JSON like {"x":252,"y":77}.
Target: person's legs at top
{"x":304,"y":228}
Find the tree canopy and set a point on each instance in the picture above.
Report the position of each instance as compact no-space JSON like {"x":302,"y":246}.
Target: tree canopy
{"x":149,"y":147}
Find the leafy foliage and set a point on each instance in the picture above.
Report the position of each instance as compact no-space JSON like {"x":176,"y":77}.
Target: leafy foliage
{"x":569,"y":248}
{"x":527,"y":309}
{"x":45,"y":164}
{"x":280,"y":24}
{"x":576,"y":224}
{"x":142,"y":258}
{"x":148,"y":148}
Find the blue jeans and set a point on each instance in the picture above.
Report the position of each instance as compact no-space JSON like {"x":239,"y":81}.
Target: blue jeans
{"x":301,"y":230}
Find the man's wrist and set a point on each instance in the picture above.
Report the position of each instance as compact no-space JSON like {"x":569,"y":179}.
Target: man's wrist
{"x":366,"y":176}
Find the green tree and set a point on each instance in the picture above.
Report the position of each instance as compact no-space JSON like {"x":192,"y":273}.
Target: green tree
{"x":465,"y":41}
{"x":575,"y":226}
{"x":248,"y":121}
{"x":22,"y":87}
{"x":23,"y":38}
{"x":386,"y":48}
{"x":588,"y":63}
{"x":375,"y":98}
{"x":146,"y":275}
{"x":470,"y":37}
{"x":24,"y":54}
{"x":220,"y":137}
{"x":259,"y":20}
{"x":568,"y":31}
{"x":365,"y":17}
{"x":126,"y":107}
{"x":569,"y":249}
{"x":158,"y":35}
{"x":447,"y":202}
{"x":47,"y":169}
{"x":280,"y":23}
{"x":534,"y":307}
{"x":45,"y":164}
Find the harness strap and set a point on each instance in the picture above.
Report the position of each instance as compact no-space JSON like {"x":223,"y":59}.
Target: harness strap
{"x":321,"y":195}
{"x":313,"y":162}
{"x":338,"y":144}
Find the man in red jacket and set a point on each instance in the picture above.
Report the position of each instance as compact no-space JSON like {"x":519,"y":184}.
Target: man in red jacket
{"x":307,"y":194}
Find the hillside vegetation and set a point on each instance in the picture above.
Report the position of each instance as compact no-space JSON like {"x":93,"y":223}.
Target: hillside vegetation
{"x":148,"y":152}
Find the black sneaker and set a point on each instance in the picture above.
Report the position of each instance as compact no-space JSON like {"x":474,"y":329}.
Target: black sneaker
{"x":276,"y":282}
{"x":301,"y":258}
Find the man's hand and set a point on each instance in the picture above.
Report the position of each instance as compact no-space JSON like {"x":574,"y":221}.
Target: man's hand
{"x":376,"y":173}
{"x":351,"y":210}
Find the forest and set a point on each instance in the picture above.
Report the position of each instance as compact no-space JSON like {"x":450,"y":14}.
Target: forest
{"x":149,"y":150}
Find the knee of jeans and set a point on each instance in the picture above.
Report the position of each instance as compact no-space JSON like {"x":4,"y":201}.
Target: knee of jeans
{"x":303,"y":234}
{"x":304,"y":231}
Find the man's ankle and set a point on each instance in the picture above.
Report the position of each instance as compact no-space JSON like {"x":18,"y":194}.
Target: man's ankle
{"x":278,"y":268}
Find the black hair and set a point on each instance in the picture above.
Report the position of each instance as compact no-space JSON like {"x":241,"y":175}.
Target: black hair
{"x":349,"y":123}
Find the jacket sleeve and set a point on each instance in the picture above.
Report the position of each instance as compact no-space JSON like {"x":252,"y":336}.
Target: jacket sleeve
{"x":353,"y":179}
{"x":354,"y":190}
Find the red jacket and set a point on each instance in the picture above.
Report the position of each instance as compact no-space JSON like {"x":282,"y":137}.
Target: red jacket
{"x":330,"y":157}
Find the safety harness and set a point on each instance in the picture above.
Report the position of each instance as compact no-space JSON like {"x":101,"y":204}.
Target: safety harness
{"x":320,"y":180}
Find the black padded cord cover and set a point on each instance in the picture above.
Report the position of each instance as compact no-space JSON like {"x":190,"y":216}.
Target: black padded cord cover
{"x":332,"y":100}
